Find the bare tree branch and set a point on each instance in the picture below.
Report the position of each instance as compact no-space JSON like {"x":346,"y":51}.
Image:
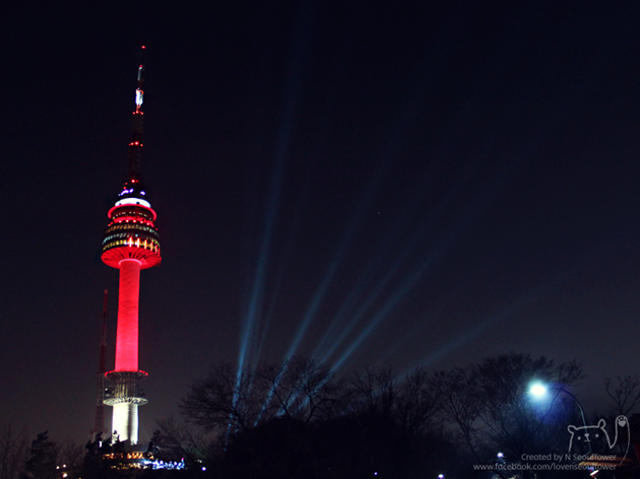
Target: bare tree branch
{"x":624,"y":392}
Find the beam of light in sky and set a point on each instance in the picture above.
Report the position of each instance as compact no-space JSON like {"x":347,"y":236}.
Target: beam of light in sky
{"x":318,"y":295}
{"x":470,"y":333}
{"x":388,"y":306}
{"x":327,"y":277}
{"x":472,"y":212}
{"x":328,"y":338}
{"x":407,"y":250}
{"x":353,"y":295}
{"x":264,"y":324}
{"x":479,"y":327}
{"x":328,"y":341}
{"x":288,"y":246}
{"x":257,"y":292}
{"x":410,"y":111}
{"x":291,"y":95}
{"x":333,"y":342}
{"x":399,"y":343}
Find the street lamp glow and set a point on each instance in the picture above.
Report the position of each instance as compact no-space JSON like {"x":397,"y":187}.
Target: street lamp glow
{"x":538,"y":390}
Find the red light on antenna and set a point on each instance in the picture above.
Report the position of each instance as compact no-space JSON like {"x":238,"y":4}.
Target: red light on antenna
{"x":144,"y":47}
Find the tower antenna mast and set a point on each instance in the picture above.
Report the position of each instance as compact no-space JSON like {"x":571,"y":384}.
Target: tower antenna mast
{"x":98,"y":422}
{"x":137,"y":123}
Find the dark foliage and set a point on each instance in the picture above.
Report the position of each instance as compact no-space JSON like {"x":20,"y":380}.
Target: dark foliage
{"x":298,"y":421}
{"x":41,"y":462}
{"x":13,"y":447}
{"x":316,"y":425}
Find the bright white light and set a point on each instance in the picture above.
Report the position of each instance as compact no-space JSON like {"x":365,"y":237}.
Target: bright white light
{"x":139,"y":96}
{"x":125,"y":421}
{"x":538,"y":390}
{"x":594,"y":473}
{"x":500,"y":455}
{"x":133,"y":201}
{"x":440,"y":476}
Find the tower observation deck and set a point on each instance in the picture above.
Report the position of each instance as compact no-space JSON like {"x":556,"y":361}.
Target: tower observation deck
{"x":130,"y":244}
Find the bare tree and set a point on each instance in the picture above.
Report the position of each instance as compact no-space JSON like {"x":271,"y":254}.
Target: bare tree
{"x":373,"y":392}
{"x":71,"y":455}
{"x":459,"y":399}
{"x":417,"y":402}
{"x":489,"y":407}
{"x":13,"y":448}
{"x":298,"y":389}
{"x":228,"y":401}
{"x":173,"y":441}
{"x":411,"y":401}
{"x":219,"y":400}
{"x":279,"y":415}
{"x":624,"y":392}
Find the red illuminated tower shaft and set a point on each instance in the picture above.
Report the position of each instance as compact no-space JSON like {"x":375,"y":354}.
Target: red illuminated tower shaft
{"x":127,"y":334}
{"x":130,"y":243}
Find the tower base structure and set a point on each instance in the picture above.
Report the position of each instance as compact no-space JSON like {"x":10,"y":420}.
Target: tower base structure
{"x":125,"y":396}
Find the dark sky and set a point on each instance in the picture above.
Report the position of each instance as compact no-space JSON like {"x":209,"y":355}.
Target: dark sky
{"x":446,"y":183}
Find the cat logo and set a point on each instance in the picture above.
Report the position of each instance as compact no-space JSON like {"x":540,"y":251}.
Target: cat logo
{"x":597,"y":440}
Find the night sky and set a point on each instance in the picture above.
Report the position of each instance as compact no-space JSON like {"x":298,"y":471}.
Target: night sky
{"x":429,"y":185}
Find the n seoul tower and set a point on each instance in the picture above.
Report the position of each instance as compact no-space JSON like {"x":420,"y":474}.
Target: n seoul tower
{"x":130,"y":244}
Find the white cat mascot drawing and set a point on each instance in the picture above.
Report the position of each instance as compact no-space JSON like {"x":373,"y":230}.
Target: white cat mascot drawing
{"x":598,"y":438}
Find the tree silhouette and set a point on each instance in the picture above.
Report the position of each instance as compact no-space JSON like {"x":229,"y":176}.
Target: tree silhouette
{"x":41,"y":462}
{"x":13,"y":447}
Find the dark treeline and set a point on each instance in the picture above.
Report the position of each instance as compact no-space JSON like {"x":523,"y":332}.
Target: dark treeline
{"x":299,"y":421}
{"x":41,"y":458}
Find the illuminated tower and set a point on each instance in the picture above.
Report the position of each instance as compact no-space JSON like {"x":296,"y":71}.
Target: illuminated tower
{"x":130,"y":244}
